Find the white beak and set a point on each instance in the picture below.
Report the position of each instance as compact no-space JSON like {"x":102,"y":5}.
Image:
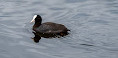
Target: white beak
{"x":33,"y":20}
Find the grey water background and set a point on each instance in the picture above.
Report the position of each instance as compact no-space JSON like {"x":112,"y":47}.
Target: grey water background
{"x":93,"y":25}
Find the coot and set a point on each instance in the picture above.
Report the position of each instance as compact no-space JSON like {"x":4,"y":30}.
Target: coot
{"x":48,"y":29}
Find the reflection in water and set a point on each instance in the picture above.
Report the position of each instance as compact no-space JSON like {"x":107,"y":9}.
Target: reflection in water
{"x":38,"y":36}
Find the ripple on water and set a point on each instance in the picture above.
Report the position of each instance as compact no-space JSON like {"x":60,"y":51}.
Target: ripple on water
{"x":56,"y":8}
{"x":112,"y":8}
{"x":100,"y":22}
{"x":75,"y":1}
{"x":112,"y":11}
{"x":79,"y":15}
{"x":109,"y":0}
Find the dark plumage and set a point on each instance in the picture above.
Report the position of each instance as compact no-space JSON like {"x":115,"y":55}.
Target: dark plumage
{"x":48,"y":29}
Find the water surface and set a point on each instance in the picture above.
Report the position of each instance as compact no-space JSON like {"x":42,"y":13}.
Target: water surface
{"x":93,"y":25}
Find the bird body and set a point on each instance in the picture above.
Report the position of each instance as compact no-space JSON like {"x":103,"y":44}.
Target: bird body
{"x":48,"y":29}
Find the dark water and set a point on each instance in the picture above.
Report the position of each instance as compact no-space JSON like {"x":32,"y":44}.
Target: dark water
{"x":93,"y":25}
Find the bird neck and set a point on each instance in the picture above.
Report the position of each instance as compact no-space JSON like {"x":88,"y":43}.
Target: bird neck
{"x":36,"y":25}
